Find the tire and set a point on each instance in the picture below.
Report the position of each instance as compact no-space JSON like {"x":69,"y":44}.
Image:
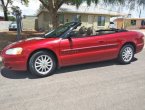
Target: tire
{"x":42,"y":64}
{"x":126,"y":54}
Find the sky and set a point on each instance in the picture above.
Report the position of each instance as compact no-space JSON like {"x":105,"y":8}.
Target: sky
{"x":33,"y":6}
{"x":31,"y":9}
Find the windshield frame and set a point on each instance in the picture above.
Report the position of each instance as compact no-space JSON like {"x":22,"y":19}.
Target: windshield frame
{"x":68,"y":29}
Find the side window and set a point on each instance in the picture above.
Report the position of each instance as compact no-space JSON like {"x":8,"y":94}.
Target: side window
{"x":101,"y":20}
{"x":133,"y":22}
{"x":80,"y":31}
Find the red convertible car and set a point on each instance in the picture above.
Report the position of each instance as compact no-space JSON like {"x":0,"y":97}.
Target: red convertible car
{"x":71,"y":44}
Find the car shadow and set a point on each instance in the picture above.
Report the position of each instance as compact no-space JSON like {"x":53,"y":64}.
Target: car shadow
{"x":22,"y":75}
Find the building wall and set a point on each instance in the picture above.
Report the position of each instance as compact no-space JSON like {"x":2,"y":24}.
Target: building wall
{"x":86,"y":19}
{"x":119,"y":24}
{"x":126,"y":23}
{"x":89,"y":20}
{"x":4,"y":25}
{"x":44,"y":22}
{"x":40,"y":22}
{"x":29,"y":23}
{"x":130,"y":26}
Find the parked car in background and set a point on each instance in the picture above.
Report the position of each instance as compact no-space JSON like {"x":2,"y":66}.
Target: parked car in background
{"x":112,"y":25}
{"x":71,"y":44}
{"x":13,"y":26}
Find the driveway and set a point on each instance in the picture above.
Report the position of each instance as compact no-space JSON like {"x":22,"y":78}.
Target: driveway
{"x":96,"y":86}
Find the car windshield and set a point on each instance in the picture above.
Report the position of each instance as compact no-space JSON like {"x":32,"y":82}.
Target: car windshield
{"x":60,"y":30}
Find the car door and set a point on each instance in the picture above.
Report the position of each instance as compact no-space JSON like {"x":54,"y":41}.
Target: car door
{"x":89,"y":49}
{"x":108,"y":46}
{"x":82,"y":50}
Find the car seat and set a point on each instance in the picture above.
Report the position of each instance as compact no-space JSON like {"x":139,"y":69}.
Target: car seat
{"x":82,"y":31}
{"x":89,"y":31}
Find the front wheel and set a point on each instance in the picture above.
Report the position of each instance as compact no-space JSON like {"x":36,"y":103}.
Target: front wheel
{"x":42,"y":64}
{"x":126,"y":54}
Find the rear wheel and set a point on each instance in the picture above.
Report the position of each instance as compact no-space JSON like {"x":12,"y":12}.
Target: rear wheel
{"x":126,"y":54}
{"x":42,"y":64}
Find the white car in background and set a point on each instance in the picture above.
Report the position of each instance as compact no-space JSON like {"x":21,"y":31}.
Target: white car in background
{"x":13,"y":26}
{"x":112,"y":25}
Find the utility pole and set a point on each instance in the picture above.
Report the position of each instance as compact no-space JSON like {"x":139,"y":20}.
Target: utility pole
{"x":17,"y":12}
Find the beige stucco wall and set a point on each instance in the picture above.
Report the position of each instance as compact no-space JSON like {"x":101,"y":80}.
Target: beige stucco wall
{"x":68,"y":17}
{"x":126,"y":23}
{"x":44,"y":21}
{"x":29,"y":23}
{"x":85,"y":20}
{"x":129,"y":26}
{"x":119,"y":24}
{"x":40,"y":22}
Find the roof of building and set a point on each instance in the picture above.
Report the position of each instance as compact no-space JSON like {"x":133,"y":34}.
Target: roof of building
{"x":29,"y":15}
{"x":136,"y":18}
{"x":84,"y":9}
{"x":121,"y":19}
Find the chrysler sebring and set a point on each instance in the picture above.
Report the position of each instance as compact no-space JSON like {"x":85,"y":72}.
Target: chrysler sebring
{"x":71,"y":44}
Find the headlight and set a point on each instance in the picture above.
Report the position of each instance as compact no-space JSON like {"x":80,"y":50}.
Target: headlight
{"x":14,"y":51}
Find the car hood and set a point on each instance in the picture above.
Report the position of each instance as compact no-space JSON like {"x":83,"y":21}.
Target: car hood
{"x":29,"y":42}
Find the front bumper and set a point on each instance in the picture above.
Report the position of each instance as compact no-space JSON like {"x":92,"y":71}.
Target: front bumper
{"x":18,"y":63}
{"x":12,"y":29}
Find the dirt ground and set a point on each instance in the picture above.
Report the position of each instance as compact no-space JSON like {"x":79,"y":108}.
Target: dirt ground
{"x":10,"y":36}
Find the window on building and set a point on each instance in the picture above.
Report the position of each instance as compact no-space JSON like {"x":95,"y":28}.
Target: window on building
{"x":143,"y":22}
{"x":61,"y":19}
{"x":101,"y":20}
{"x":133,"y":22}
{"x":77,"y":18}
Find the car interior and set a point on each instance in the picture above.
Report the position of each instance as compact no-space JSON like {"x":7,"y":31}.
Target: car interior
{"x":82,"y":31}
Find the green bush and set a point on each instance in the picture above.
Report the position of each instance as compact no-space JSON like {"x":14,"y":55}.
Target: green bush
{"x":12,"y":18}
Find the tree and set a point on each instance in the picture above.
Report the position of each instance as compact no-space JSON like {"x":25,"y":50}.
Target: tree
{"x":5,"y":3}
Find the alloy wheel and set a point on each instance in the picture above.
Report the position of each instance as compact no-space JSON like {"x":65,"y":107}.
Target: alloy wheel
{"x":43,"y":64}
{"x":127,"y":54}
